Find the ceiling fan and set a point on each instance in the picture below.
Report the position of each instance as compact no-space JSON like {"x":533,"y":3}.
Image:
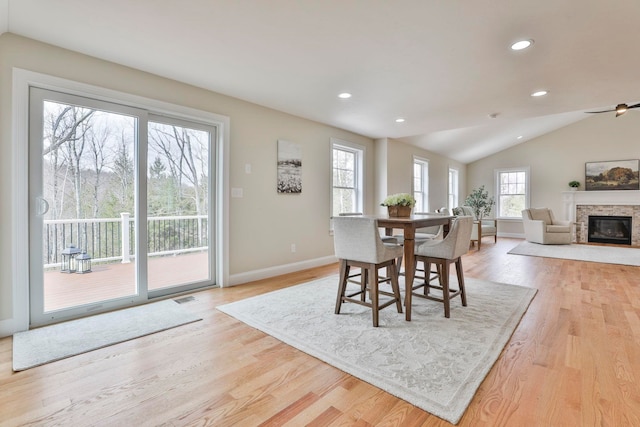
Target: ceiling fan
{"x":620,"y":109}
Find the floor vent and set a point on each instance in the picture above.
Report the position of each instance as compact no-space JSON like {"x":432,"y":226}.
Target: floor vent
{"x":184,"y":299}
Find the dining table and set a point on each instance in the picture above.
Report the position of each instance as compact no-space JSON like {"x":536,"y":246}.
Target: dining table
{"x":409,"y":225}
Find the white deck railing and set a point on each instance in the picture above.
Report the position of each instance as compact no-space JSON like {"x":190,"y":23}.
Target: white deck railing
{"x":113,"y":239}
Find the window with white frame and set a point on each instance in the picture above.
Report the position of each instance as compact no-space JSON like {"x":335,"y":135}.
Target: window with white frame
{"x":512,"y":190}
{"x":347,"y":177}
{"x":453,"y":189}
{"x":421,"y":184}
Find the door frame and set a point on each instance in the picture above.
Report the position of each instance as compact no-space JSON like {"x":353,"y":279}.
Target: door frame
{"x":22,"y":81}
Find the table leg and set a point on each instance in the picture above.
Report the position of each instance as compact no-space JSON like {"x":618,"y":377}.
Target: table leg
{"x":409,"y":272}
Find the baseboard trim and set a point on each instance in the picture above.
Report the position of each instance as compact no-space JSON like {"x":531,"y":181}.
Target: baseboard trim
{"x":512,"y":235}
{"x":251,"y":276}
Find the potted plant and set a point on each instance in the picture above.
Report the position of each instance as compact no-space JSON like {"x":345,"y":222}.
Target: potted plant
{"x":399,"y":204}
{"x":480,"y":202}
{"x":574,"y":185}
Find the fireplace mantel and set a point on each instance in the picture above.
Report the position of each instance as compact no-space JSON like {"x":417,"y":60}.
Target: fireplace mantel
{"x":571,"y":199}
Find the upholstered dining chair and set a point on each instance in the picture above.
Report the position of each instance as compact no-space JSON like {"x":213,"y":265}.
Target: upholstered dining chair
{"x":443,"y":253}
{"x":436,"y":233}
{"x":357,"y":243}
{"x":359,"y":273}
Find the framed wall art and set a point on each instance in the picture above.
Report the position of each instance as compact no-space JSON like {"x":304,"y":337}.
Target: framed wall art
{"x":289,"y":167}
{"x":612,"y":175}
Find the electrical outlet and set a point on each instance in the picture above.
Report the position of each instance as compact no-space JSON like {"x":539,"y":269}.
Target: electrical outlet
{"x":293,"y":247}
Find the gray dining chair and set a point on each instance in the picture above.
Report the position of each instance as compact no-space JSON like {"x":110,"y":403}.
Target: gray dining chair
{"x":443,"y":253}
{"x":357,"y":243}
{"x":353,"y":276}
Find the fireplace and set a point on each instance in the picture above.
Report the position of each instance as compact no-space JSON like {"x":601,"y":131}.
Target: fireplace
{"x":610,"y":229}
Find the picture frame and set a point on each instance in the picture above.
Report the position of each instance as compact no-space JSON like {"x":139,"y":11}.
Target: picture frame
{"x":289,"y":167}
{"x":612,"y":175}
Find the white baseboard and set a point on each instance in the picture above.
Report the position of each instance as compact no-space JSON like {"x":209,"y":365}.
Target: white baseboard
{"x":512,"y":235}
{"x":251,"y":276}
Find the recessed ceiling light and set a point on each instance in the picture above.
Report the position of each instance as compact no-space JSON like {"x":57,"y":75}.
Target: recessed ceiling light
{"x":344,"y":95}
{"x":540,"y":93}
{"x":399,"y":120}
{"x":521,"y":44}
{"x":519,"y":137}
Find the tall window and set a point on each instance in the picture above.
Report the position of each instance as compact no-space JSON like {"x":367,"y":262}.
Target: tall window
{"x":347,"y":177}
{"x":512,"y":188}
{"x":453,"y":189}
{"x":421,"y":184}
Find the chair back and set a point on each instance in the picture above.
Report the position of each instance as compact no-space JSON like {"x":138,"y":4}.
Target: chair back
{"x":357,"y":238}
{"x":454,"y":245}
{"x":468,"y":211}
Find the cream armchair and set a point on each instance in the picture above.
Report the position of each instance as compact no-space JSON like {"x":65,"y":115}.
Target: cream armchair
{"x":481,"y":228}
{"x":540,"y":226}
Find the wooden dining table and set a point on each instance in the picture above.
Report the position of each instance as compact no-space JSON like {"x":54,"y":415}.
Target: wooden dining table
{"x":409,"y":225}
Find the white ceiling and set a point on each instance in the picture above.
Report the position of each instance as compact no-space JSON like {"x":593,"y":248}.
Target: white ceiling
{"x":444,"y":65}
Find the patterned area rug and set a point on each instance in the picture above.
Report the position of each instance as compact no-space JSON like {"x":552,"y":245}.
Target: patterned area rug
{"x":43,"y":345}
{"x":432,"y":362}
{"x":592,"y":253}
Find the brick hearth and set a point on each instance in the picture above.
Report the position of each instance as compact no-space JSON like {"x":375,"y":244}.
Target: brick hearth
{"x":584,"y":211}
{"x":578,"y":205}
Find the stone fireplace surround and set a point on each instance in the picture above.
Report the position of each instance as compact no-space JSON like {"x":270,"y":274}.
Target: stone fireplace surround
{"x":578,"y":205}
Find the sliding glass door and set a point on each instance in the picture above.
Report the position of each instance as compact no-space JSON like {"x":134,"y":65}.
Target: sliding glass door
{"x":120,"y":205}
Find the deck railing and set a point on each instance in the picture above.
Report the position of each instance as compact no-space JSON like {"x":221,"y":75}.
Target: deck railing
{"x":113,"y":239}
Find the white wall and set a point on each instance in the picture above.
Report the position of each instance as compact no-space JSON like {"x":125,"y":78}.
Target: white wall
{"x":399,"y":171}
{"x":262,"y":224}
{"x":560,"y":156}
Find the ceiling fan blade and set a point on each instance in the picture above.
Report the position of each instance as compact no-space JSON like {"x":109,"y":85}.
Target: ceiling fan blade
{"x":633,"y":106}
{"x":596,"y":112}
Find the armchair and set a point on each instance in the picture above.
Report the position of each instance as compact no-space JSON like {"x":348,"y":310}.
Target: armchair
{"x":540,"y":226}
{"x":481,"y":228}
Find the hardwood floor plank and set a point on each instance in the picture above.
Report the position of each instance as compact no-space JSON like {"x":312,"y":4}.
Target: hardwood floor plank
{"x":573,"y":360}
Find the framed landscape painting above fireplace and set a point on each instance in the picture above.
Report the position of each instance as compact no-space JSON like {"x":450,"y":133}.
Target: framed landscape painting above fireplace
{"x":612,"y":175}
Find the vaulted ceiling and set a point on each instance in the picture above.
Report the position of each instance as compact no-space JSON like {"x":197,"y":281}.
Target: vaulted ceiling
{"x":445,"y":67}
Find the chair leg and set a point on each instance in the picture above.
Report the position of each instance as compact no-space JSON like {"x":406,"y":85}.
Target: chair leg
{"x":427,"y":276}
{"x":396,"y":287}
{"x":342,"y":286}
{"x":364,"y":277}
{"x":444,"y":280}
{"x":373,"y":293}
{"x":463,"y":293}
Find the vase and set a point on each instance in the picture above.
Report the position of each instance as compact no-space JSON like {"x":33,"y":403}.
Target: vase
{"x":399,"y":211}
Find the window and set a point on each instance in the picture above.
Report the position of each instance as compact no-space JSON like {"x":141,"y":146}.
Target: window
{"x":512,"y":188}
{"x":421,"y":184}
{"x":453,"y":189}
{"x":347,"y":177}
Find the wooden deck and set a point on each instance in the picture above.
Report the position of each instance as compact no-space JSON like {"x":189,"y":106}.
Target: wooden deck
{"x":116,"y":280}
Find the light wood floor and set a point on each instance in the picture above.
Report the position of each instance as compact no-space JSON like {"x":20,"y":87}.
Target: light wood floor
{"x":574,"y":360}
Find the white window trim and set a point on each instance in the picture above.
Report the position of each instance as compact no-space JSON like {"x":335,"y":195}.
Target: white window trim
{"x":457,"y":193}
{"x":425,"y":181}
{"x":360,"y":172}
{"x":22,"y":81}
{"x":496,"y":180}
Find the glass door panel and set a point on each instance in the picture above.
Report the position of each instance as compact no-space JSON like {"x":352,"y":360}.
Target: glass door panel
{"x":83,"y":187}
{"x":178,"y":205}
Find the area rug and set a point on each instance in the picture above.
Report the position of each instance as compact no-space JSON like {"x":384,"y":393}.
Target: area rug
{"x":435,"y":363}
{"x":592,"y":253}
{"x":47,"y":344}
